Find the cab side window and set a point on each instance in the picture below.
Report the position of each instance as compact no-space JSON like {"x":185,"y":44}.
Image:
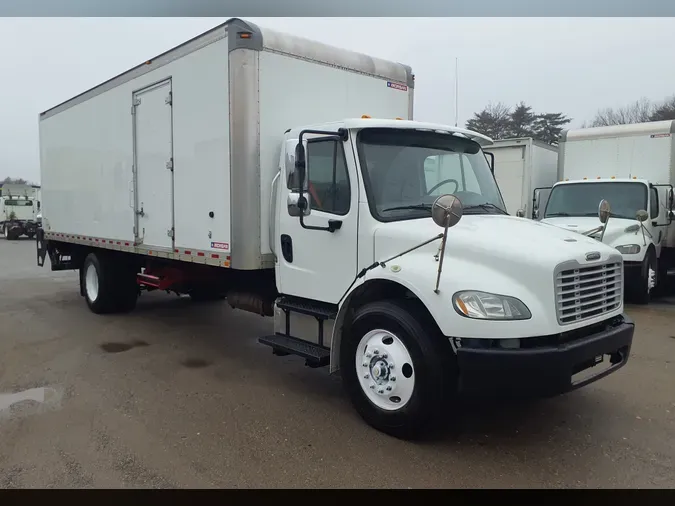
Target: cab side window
{"x":328,"y":180}
{"x":654,"y":203}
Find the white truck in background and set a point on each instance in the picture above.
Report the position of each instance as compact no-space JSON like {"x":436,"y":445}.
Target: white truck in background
{"x":633,"y":168}
{"x":327,"y":225}
{"x":18,"y":211}
{"x":525,"y":170}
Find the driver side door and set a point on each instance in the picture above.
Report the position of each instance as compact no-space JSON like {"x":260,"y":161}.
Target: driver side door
{"x":317,"y":264}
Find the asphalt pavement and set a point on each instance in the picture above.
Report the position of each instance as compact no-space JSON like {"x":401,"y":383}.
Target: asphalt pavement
{"x":178,"y":394}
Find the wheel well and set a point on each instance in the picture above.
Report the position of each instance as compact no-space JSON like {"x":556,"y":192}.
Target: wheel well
{"x":371,"y":291}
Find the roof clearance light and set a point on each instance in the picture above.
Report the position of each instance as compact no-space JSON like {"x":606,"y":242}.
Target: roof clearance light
{"x":598,"y":177}
{"x":613,"y":177}
{"x":585,"y":178}
{"x":365,"y":116}
{"x":399,"y":118}
{"x":244,"y":35}
{"x":634,"y":177}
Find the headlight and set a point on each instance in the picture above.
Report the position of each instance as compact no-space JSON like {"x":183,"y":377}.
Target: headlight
{"x":489,"y":306}
{"x":629,"y":249}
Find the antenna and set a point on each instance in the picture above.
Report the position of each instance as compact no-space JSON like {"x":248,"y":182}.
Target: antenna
{"x":456,"y":91}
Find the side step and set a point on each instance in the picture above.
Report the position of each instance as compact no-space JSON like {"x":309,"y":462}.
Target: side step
{"x":319,"y":310}
{"x":314,"y":355}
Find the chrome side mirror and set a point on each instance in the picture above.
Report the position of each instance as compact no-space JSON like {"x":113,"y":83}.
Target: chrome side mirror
{"x":604,"y":210}
{"x":642,"y":215}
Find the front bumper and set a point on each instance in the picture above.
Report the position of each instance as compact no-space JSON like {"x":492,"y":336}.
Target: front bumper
{"x":546,"y":369}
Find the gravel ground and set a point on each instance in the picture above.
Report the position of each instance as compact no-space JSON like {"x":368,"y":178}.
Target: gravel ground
{"x":178,"y":394}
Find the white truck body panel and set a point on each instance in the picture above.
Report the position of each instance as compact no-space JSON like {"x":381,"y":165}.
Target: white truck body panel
{"x":231,"y":101}
{"x":521,"y":166}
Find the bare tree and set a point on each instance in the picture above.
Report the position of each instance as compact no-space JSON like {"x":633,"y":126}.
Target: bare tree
{"x":664,"y":111}
{"x":639,"y":111}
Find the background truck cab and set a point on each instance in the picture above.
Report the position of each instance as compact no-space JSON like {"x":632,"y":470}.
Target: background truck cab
{"x":632,"y":167}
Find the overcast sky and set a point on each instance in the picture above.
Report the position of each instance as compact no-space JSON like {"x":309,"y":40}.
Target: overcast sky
{"x":574,"y":66}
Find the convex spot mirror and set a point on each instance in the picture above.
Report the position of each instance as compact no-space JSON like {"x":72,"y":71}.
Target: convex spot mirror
{"x":520,"y":213}
{"x":604,"y":211}
{"x":446,"y":211}
{"x":642,"y":215}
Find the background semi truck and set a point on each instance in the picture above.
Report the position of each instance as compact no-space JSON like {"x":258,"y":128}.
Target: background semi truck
{"x":222,"y":169}
{"x":525,"y":170}
{"x":632,"y":167}
{"x":18,"y":211}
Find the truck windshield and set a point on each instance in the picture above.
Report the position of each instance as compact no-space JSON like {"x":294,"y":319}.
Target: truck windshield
{"x":406,"y":170}
{"x":24,"y":203}
{"x":582,"y":199}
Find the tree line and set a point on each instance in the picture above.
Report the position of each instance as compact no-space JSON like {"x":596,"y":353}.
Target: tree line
{"x":500,"y":121}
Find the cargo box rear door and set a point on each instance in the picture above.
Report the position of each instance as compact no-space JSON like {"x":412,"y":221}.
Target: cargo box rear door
{"x":153,"y":163}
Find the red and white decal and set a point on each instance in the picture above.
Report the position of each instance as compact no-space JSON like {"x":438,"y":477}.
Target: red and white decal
{"x":659,"y":136}
{"x":397,"y":86}
{"x":220,"y":245}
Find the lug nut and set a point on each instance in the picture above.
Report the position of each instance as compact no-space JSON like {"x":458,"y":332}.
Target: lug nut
{"x":389,"y":389}
{"x":380,"y":391}
{"x":365,"y":364}
{"x":393,"y":378}
{"x":391,"y":365}
{"x":368,"y":355}
{"x":367,"y":376}
{"x":376,"y":352}
{"x":372,"y":387}
{"x":384,"y":355}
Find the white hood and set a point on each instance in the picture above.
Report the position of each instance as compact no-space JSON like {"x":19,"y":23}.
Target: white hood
{"x":492,"y":253}
{"x":615,"y":234}
{"x":481,"y":237}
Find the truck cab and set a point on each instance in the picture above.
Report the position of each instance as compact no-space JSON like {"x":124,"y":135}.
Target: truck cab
{"x":631,"y":167}
{"x":640,"y":215}
{"x":481,"y":303}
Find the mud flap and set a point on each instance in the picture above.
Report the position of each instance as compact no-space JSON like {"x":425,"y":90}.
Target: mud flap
{"x":41,"y":246}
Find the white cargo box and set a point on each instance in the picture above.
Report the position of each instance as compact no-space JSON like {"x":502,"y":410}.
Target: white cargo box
{"x":522,"y":166}
{"x":175,"y":158}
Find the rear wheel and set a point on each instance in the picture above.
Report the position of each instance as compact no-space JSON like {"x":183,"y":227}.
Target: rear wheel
{"x":107,"y":288}
{"x":398,"y":370}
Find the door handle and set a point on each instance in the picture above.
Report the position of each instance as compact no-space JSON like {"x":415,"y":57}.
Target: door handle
{"x":287,"y":247}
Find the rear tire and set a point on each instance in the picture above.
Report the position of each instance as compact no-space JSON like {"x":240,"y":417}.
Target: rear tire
{"x":107,"y":288}
{"x":397,"y":338}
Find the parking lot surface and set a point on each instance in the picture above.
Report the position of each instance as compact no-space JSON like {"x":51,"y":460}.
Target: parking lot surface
{"x":178,"y":394}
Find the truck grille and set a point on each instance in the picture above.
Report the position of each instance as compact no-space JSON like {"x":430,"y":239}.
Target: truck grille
{"x":587,"y":292}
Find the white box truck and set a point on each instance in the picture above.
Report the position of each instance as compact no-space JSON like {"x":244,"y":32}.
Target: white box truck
{"x":327,"y":225}
{"x":525,"y":170}
{"x":633,"y":168}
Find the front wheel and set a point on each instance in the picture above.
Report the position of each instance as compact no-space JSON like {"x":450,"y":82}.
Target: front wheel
{"x":397,"y":369}
{"x":644,"y":282}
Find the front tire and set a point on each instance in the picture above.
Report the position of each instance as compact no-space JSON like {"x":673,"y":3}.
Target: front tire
{"x":397,"y":368}
{"x":644,"y":283}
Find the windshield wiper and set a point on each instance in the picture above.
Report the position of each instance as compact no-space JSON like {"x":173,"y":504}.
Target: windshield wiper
{"x":414,"y":207}
{"x":486,"y":207}
{"x":556,"y":215}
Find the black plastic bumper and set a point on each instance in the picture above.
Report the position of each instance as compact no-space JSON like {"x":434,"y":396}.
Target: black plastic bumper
{"x":545,"y":370}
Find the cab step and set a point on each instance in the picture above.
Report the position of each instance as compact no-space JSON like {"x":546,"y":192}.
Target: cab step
{"x":320,"y":310}
{"x":314,"y":355}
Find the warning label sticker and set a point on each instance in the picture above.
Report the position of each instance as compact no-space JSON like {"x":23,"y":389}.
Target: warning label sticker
{"x":658,"y":136}
{"x":220,"y":245}
{"x":397,"y":86}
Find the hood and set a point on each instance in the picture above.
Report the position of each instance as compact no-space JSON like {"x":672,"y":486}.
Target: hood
{"x":615,"y":234}
{"x":485,"y":238}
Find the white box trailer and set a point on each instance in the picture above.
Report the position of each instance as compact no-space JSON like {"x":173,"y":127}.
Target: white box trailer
{"x":525,"y":169}
{"x":222,"y":168}
{"x":633,"y":168}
